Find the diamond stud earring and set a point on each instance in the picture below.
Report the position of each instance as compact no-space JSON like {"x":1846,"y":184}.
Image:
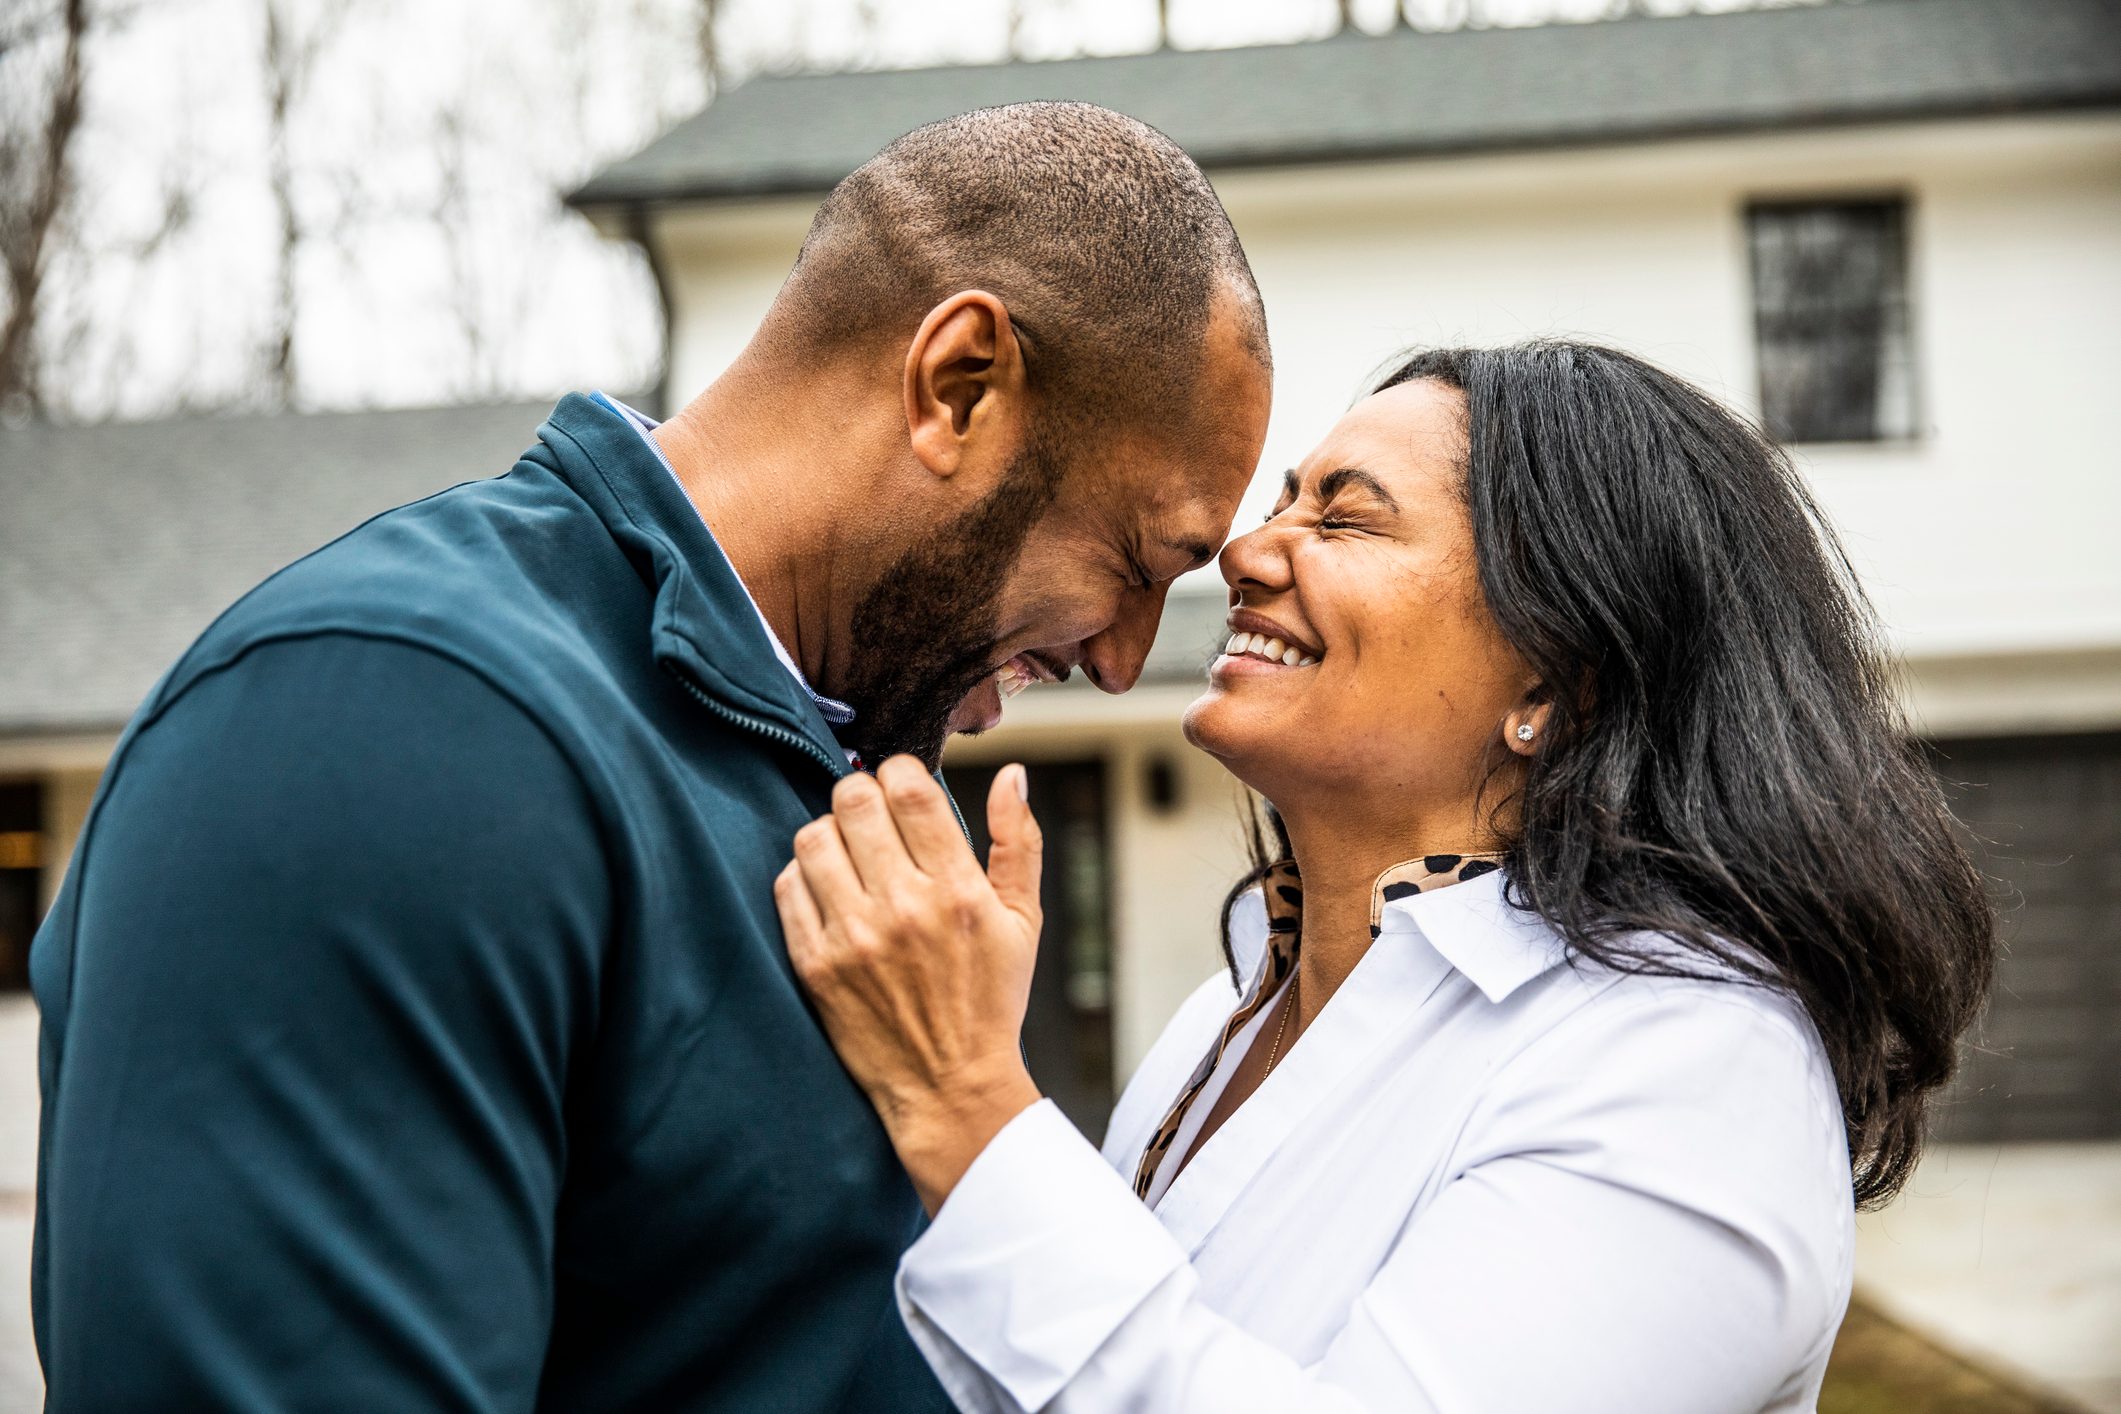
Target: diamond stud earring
{"x":1525,"y":732}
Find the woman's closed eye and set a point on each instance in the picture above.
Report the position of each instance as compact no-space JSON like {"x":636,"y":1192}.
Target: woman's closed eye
{"x":1349,"y":499}
{"x":1329,"y":519}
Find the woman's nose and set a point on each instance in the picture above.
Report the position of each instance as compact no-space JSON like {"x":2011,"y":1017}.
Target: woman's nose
{"x":1255,"y":560}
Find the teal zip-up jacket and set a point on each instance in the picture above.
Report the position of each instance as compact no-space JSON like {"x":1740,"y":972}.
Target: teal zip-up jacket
{"x":418,"y":1033}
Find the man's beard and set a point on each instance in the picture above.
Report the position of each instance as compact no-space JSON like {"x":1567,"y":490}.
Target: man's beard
{"x":925,"y":633}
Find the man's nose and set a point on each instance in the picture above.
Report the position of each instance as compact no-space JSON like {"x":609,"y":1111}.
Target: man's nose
{"x":1113,"y":658}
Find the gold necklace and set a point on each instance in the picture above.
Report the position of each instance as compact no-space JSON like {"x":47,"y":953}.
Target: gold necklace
{"x":1288,"y":1005}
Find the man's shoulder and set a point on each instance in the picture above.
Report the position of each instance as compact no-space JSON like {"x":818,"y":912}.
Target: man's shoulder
{"x":479,"y":574}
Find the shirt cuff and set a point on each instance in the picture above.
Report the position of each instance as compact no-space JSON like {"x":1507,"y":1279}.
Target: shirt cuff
{"x":1036,"y":1257}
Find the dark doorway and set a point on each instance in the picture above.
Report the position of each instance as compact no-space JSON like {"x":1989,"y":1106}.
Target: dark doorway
{"x":21,"y":877}
{"x":1068,"y":1028}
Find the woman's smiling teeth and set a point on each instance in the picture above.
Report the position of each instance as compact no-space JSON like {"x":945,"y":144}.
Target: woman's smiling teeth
{"x":1258,"y":645}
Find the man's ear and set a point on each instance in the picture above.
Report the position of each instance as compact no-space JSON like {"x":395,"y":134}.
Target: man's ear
{"x":963,"y":381}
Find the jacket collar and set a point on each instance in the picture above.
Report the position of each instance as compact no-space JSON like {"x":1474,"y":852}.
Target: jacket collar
{"x":704,"y":625}
{"x":1471,"y":923}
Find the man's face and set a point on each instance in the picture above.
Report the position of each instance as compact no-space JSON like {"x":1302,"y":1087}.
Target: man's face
{"x":928,"y":626}
{"x":1064,"y":565}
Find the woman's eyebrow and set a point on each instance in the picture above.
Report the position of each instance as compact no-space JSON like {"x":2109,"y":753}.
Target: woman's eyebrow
{"x":1355,"y":476}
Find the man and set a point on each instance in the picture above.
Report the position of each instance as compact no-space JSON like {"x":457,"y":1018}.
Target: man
{"x":418,"y":1031}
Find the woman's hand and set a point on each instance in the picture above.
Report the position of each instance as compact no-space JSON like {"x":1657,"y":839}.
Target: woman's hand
{"x":919,"y":963}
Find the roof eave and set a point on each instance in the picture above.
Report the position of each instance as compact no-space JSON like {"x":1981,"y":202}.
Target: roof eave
{"x":611,"y":201}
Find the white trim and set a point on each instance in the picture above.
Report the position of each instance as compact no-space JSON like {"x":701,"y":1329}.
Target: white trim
{"x":2017,"y":694}
{"x":36,"y":753}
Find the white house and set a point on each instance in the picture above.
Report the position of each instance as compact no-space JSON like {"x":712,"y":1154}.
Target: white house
{"x":1890,"y":230}
{"x":1893,"y":230}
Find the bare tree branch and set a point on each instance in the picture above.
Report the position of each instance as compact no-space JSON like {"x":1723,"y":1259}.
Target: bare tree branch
{"x":280,"y":85}
{"x":33,"y":187}
{"x":710,"y":42}
{"x":479,"y":378}
{"x":290,"y":56}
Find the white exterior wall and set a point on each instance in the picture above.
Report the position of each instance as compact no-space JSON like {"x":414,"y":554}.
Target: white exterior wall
{"x":1988,"y":542}
{"x":1990,"y":534}
{"x":723,"y":265}
{"x":67,"y":797}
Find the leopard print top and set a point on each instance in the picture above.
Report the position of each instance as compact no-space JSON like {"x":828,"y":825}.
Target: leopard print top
{"x":1285,"y":910}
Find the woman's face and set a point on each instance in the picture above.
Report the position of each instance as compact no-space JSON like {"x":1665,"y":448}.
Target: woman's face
{"x":1367,"y":567}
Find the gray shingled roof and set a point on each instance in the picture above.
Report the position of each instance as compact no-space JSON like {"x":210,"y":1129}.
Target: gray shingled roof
{"x":1410,"y":94}
{"x":119,"y":543}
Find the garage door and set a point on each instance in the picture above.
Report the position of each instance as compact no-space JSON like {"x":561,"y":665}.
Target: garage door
{"x":2045,"y":1063}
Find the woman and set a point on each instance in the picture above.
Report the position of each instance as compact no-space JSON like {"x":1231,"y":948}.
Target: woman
{"x":1610,"y":942}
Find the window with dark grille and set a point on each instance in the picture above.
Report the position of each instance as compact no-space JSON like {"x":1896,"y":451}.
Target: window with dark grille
{"x":1830,"y":313}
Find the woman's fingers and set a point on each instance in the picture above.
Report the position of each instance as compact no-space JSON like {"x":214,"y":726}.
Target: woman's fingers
{"x":925,"y":820}
{"x":828,"y":873}
{"x":920,"y":976}
{"x":871,"y":836}
{"x":1018,"y":854}
{"x":801,"y":922}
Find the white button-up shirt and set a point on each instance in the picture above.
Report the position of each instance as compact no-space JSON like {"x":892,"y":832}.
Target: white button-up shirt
{"x":1485,"y":1180}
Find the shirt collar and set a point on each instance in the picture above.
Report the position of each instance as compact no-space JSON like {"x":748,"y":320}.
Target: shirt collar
{"x":1471,"y":924}
{"x":1497,"y":947}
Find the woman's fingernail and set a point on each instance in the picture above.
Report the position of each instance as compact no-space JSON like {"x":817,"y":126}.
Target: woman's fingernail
{"x":1023,"y":783}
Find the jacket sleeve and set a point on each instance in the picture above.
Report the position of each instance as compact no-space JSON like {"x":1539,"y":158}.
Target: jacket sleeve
{"x":335,"y":936}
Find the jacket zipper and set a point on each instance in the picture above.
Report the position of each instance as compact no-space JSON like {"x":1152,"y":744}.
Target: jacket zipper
{"x":788,"y":738}
{"x":767,"y":730}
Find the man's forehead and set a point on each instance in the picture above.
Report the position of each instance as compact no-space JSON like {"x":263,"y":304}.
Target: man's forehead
{"x":1161,"y":511}
{"x":1190,"y":526}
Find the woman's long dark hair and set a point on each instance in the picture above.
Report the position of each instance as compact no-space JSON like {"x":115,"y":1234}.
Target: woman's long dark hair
{"x":1725,"y":761}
